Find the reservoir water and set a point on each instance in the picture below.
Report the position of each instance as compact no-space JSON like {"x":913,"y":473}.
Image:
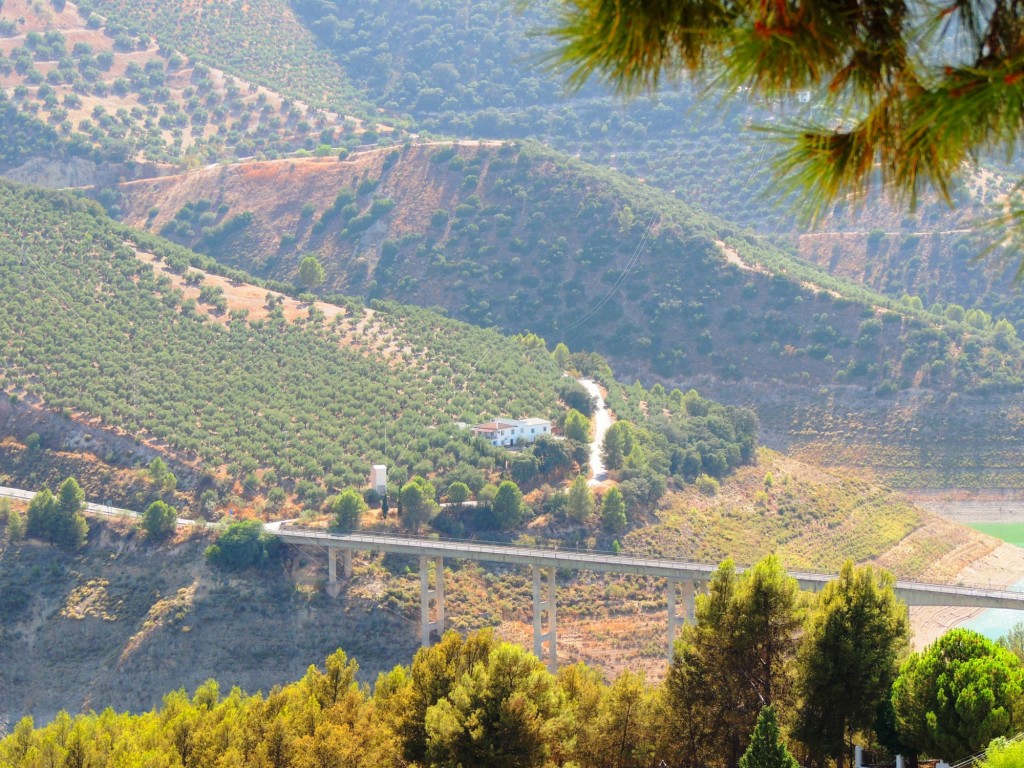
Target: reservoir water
{"x":995,"y":623}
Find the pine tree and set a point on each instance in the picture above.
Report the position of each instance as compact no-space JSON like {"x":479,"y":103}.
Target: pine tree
{"x":848,"y":660}
{"x":766,"y":748}
{"x":580,"y":505}
{"x":15,"y":526}
{"x":160,"y":520}
{"x":917,"y":110}
{"x":613,"y":511}
{"x":311,"y":273}
{"x":561,"y":356}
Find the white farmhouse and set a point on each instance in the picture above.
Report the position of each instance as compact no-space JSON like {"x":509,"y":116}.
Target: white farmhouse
{"x":509,"y":432}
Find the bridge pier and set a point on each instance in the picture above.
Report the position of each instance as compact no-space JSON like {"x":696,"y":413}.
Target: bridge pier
{"x":428,"y":596}
{"x":544,"y":604}
{"x":675,"y":621}
{"x":333,"y":589}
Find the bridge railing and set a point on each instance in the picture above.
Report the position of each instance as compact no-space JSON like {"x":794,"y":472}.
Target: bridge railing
{"x":624,"y":555}
{"x":979,"y":756}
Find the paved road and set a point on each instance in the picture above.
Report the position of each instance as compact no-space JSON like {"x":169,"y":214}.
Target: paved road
{"x":602,"y":421}
{"x":106,"y":510}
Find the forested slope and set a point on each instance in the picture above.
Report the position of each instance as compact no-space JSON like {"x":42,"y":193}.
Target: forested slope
{"x":527,"y":239}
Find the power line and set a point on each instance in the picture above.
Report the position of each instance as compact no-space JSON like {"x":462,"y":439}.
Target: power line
{"x":637,"y":252}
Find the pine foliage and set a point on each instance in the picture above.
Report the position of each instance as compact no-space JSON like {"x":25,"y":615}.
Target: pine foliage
{"x":919,"y":88}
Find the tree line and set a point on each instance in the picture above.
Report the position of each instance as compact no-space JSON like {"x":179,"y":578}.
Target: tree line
{"x":767,"y":678}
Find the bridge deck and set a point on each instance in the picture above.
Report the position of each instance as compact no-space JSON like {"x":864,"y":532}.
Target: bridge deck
{"x":912,"y":593}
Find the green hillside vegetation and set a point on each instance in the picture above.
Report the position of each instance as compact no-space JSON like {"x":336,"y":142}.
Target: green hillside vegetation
{"x":24,"y":136}
{"x":94,"y":333}
{"x":475,"y":700}
{"x":496,"y":244}
{"x":81,"y":88}
{"x":640,"y":278}
{"x":260,"y":40}
{"x":166,"y":116}
{"x":483,"y":73}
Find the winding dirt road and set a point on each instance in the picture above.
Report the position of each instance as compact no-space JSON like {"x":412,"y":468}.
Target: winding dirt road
{"x":602,"y":419}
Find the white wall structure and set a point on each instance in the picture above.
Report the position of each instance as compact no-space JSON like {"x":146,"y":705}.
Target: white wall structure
{"x":508,"y":432}
{"x":379,"y":478}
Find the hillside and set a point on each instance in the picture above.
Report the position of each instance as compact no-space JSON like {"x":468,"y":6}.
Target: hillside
{"x":237,"y":385}
{"x":260,"y":40}
{"x":943,"y":257}
{"x":486,"y":71}
{"x":161,"y":310}
{"x":107,"y":102}
{"x":119,"y":347}
{"x":525,"y":239}
{"x":120,"y":622}
{"x":477,"y":71}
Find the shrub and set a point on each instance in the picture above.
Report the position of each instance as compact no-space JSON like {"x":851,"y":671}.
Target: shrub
{"x":159,"y":520}
{"x":59,"y":519}
{"x":707,"y":485}
{"x":242,"y":544}
{"x":346,"y":508}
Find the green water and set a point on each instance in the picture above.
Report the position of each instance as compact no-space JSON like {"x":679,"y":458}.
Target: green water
{"x":1011,"y":533}
{"x":996,"y":623}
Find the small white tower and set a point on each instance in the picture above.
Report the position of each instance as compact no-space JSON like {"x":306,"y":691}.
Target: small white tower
{"x":379,"y":479}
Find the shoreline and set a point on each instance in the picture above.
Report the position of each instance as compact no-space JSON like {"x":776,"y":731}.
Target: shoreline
{"x":1000,"y":568}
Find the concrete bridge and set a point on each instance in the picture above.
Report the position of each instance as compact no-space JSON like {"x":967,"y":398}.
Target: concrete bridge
{"x":682,"y":578}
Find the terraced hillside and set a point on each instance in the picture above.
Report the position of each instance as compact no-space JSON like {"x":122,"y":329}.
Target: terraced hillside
{"x":525,"y":239}
{"x":260,"y":40}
